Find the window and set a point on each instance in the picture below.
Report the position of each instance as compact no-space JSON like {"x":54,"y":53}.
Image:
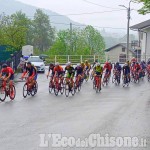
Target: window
{"x":122,"y":58}
{"x":123,"y":49}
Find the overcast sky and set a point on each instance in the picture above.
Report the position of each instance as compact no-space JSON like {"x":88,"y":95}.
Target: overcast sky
{"x":116,"y":19}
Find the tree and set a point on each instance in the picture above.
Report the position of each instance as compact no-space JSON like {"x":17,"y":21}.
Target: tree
{"x":43,"y":33}
{"x":13,"y":29}
{"x":146,"y":6}
{"x":87,"y":41}
{"x":94,"y":40}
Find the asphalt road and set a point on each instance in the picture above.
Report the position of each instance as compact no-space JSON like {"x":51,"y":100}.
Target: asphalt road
{"x":116,"y":111}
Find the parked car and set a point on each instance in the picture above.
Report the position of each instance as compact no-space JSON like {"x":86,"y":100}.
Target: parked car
{"x":38,"y":63}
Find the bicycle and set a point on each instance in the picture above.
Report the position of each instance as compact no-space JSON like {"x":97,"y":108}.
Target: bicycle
{"x":7,"y":90}
{"x":27,"y":90}
{"x":136,"y":77}
{"x":125,"y":79}
{"x":105,"y":80}
{"x":148,"y":76}
{"x":69,"y":87}
{"x":51,"y":85}
{"x":78,"y":83}
{"x":58,"y":85}
{"x":97,"y":83}
{"x":86,"y":75}
{"x":92,"y":75}
{"x":116,"y":78}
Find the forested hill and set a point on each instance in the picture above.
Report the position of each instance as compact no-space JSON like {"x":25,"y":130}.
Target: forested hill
{"x":11,"y":6}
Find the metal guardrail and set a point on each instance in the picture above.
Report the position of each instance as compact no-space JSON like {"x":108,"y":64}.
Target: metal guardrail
{"x":63,"y":59}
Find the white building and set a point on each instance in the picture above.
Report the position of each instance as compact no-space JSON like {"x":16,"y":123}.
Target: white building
{"x":144,"y":37}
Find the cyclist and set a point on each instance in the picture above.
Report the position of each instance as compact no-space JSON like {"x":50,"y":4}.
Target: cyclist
{"x":83,"y":65}
{"x":137,"y":69}
{"x":117,"y":70}
{"x":87,"y":66}
{"x":107,"y":67}
{"x":96,"y":61}
{"x":126,"y":71}
{"x":31,"y":72}
{"x":143,"y":67}
{"x":111,"y":66}
{"x":132,"y":68}
{"x":7,"y":74}
{"x":70,"y":72}
{"x":129,"y":63}
{"x":133,"y":60}
{"x":98,"y":70}
{"x":58,"y":72}
{"x":51,"y":69}
{"x":79,"y":71}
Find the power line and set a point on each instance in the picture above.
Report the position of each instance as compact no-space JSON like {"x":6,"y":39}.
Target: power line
{"x":87,"y":25}
{"x":86,"y":13}
{"x":98,"y":4}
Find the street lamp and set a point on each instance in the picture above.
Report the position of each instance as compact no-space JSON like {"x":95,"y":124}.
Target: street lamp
{"x":128,"y":25}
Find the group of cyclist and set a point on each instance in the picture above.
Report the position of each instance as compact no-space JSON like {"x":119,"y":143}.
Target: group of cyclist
{"x":129,"y":70}
{"x":132,"y":69}
{"x":70,"y":71}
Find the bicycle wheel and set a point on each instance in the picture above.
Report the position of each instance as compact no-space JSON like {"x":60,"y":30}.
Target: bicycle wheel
{"x":87,"y":78}
{"x":98,"y":87}
{"x":113,"y":79}
{"x":94,"y":84}
{"x":12,"y":92}
{"x":50,"y":87}
{"x":148,"y":78}
{"x":67,"y":89}
{"x":79,"y":86}
{"x":62,"y":89}
{"x":36,"y":87}
{"x":2,"y":94}
{"x":117,"y":82}
{"x":56,"y":91}
{"x":73,"y":90}
{"x":25,"y":90}
{"x":33,"y":90}
{"x":91,"y":76}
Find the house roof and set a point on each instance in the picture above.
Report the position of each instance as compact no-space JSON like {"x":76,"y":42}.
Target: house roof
{"x":141,"y":25}
{"x":124,"y":45}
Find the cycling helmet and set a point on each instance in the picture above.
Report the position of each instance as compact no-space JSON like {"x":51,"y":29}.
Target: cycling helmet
{"x":57,"y":64}
{"x":82,"y":63}
{"x":125,"y":64}
{"x":78,"y":65}
{"x":86,"y":61}
{"x":98,"y":64}
{"x":51,"y":64}
{"x":69,"y":63}
{"x":28,"y":63}
{"x":4,"y":66}
{"x":117,"y":63}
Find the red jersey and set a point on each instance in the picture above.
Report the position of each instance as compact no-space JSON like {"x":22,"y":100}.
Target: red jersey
{"x":58,"y":69}
{"x":7,"y":71}
{"x":107,"y":66}
{"x":137,"y":67}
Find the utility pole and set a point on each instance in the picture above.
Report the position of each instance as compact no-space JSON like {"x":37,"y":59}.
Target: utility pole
{"x":128,"y":26}
{"x":71,"y":44}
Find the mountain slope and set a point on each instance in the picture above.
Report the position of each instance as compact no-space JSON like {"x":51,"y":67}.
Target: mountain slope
{"x":11,"y":6}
